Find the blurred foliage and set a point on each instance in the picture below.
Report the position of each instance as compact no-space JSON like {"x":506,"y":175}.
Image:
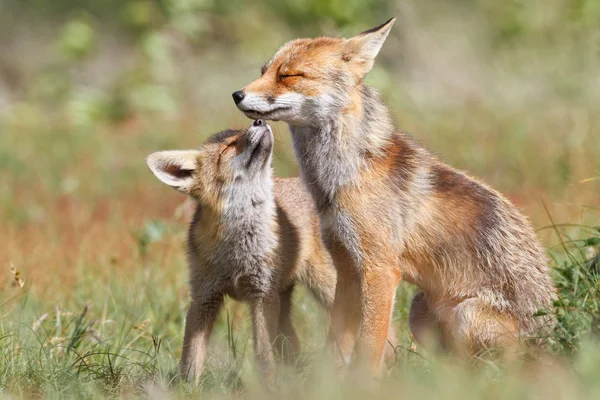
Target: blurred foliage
{"x":187,"y":14}
{"x":150,"y":26}
{"x":490,"y":75}
{"x":158,"y":29}
{"x":151,"y":232}
{"x":77,"y":39}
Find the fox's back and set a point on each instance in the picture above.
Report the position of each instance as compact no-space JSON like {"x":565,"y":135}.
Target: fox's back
{"x":460,"y":237}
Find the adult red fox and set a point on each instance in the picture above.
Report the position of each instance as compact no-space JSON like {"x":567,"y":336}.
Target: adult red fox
{"x":391,"y":211}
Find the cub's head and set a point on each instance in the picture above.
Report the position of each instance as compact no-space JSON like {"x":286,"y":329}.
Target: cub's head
{"x":310,"y":78}
{"x":232,"y":163}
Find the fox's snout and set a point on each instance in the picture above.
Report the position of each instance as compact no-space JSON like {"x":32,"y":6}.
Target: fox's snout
{"x":238,"y":96}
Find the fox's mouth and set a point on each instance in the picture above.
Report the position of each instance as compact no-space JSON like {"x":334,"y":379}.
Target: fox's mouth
{"x":255,"y":114}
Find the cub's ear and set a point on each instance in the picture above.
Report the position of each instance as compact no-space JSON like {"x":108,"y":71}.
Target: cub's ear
{"x":175,"y":168}
{"x":362,"y":49}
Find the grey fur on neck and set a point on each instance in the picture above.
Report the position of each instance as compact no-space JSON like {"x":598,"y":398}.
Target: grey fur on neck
{"x":331,"y":151}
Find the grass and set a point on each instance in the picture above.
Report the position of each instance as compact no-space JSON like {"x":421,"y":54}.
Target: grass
{"x":93,"y":289}
{"x":120,"y":336}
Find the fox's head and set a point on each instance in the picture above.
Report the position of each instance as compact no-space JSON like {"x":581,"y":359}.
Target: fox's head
{"x":232,"y":165}
{"x":311,"y":78}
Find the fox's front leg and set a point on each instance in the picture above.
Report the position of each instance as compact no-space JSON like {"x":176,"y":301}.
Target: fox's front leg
{"x":380,"y":278}
{"x":265,"y":321}
{"x":198,"y":326}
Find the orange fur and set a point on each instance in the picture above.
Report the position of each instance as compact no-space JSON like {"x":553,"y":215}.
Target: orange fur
{"x":391,"y":211}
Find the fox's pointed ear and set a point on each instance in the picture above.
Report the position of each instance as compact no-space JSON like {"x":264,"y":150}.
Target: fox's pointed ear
{"x":175,"y":168}
{"x":362,"y":49}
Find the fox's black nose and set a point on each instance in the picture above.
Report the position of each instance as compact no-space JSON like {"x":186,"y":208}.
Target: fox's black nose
{"x":258,"y":122}
{"x":238,"y":96}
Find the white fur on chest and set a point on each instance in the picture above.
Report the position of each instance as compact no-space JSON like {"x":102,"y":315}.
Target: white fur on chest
{"x":249,"y":241}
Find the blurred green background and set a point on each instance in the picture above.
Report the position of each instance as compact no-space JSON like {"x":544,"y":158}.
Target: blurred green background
{"x":506,"y":90}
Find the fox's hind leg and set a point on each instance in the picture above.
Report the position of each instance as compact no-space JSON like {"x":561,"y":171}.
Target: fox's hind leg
{"x":424,"y":324}
{"x":287,"y":343}
{"x":474,"y":328}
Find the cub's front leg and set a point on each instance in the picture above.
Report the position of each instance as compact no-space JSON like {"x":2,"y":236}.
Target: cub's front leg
{"x":265,"y":321}
{"x":198,"y":326}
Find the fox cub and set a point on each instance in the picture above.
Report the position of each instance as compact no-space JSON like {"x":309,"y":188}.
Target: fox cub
{"x":391,"y":211}
{"x":252,"y":238}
